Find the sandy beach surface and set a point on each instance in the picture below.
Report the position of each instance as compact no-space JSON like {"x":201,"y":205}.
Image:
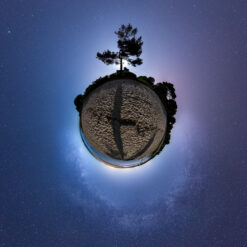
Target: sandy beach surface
{"x":124,"y":119}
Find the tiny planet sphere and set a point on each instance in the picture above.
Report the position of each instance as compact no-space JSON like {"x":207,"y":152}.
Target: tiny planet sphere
{"x":123,"y":118}
{"x":123,"y":123}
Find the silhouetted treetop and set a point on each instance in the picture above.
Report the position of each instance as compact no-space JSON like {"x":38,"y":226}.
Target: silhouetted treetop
{"x":130,"y":48}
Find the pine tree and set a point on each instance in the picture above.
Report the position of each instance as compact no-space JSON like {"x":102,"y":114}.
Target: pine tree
{"x":129,"y":46}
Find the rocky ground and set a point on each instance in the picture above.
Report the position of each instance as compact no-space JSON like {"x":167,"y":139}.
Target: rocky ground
{"x":124,"y":119}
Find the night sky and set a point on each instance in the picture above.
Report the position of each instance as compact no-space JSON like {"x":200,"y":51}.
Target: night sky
{"x":53,"y":193}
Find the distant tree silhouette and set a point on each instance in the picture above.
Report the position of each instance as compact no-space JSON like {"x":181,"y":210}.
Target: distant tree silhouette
{"x":129,"y":46}
{"x":166,"y":92}
{"x":146,"y":80}
{"x":78,"y":101}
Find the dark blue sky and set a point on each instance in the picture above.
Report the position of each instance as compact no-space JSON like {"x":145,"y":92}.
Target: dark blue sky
{"x":53,"y":193}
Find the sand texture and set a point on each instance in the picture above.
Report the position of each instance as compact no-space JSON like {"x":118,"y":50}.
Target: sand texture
{"x":124,"y":119}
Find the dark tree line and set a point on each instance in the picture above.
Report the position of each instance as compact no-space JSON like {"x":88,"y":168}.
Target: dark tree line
{"x":166,"y":92}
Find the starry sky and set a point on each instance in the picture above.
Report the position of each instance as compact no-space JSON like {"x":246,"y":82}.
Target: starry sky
{"x":54,"y":193}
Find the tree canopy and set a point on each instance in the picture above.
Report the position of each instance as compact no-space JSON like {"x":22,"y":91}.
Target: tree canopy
{"x":130,"y":48}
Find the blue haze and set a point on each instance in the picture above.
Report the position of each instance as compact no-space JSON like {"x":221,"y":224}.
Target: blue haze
{"x":54,"y":193}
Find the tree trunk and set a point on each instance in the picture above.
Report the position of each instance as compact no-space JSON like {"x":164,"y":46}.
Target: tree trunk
{"x":121,"y":63}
